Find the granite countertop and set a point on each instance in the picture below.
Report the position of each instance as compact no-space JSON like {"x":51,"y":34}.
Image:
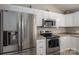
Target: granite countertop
{"x":62,"y":35}
{"x":68,"y":34}
{"x":40,"y":37}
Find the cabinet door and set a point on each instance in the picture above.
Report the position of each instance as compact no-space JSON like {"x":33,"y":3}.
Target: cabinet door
{"x":65,"y":20}
{"x":69,"y":20}
{"x":72,"y":20}
{"x":54,"y":16}
{"x":77,"y":44}
{"x":41,"y":47}
{"x":65,"y":43}
{"x":39,"y":17}
{"x":60,"y":20}
{"x":45,"y":15}
{"x":73,"y":42}
{"x":68,"y":42}
{"x":76,"y":19}
{"x":50,"y":15}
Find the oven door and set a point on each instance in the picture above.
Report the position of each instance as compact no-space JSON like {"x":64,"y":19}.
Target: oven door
{"x":53,"y":46}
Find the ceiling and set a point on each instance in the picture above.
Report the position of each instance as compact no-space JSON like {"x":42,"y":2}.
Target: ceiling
{"x":63,"y":7}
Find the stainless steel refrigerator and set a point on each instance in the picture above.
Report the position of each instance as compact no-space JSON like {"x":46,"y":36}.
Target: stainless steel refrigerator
{"x":17,"y":32}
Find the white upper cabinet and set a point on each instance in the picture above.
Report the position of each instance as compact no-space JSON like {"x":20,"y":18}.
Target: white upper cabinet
{"x":69,"y":20}
{"x":72,"y":20}
{"x":39,"y":17}
{"x":65,"y":20}
{"x":45,"y":15}
{"x":76,"y":19}
{"x":60,"y":20}
{"x":52,"y":15}
{"x":49,"y":15}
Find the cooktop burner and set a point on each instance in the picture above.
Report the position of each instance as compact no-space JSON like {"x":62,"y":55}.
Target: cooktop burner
{"x":53,"y":36}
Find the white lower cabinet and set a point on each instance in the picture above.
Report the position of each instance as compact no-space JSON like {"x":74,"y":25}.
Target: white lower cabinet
{"x":65,"y":43}
{"x":77,"y":44}
{"x":41,"y":47}
{"x":69,"y":42}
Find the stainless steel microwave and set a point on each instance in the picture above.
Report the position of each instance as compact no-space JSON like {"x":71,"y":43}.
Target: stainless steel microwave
{"x":49,"y":23}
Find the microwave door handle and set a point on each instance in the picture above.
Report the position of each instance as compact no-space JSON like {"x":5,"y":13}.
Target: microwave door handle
{"x":54,"y":23}
{"x":43,"y":22}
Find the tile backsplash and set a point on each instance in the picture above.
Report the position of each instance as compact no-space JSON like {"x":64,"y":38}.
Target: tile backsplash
{"x":72,"y":29}
{"x":55,"y":30}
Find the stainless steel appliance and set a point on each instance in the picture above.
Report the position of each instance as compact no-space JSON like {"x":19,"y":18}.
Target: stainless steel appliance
{"x":9,"y":38}
{"x":49,"y":23}
{"x":17,"y":32}
{"x":52,"y":42}
{"x":53,"y":45}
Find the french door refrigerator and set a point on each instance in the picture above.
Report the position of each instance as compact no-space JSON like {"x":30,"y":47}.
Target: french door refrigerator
{"x":17,"y":32}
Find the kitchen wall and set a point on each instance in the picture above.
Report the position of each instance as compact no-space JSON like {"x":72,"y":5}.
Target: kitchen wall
{"x":50,"y":7}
